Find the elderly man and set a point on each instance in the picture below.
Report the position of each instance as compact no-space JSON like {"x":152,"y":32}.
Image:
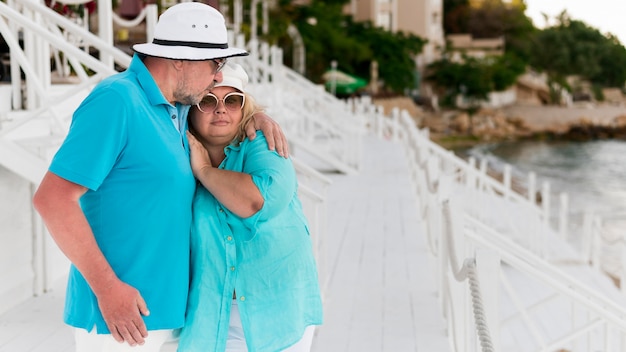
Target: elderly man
{"x":117,"y":196}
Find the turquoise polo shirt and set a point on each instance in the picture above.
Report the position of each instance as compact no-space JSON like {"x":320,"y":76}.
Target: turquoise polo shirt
{"x":267,"y":258}
{"x":123,"y":147}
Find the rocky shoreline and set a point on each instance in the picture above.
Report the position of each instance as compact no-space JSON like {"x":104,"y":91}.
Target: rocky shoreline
{"x":453,"y":128}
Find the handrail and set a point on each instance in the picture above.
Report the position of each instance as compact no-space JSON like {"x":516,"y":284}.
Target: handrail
{"x":477,"y":192}
{"x":525,"y":260}
{"x":468,"y":271}
{"x":89,"y":38}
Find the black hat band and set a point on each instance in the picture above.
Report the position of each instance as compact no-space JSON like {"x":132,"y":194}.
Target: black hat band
{"x":191,"y":44}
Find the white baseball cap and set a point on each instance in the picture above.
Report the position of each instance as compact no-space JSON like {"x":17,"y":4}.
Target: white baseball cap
{"x":233,"y":75}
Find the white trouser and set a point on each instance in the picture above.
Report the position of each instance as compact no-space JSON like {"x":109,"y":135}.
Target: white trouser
{"x":93,"y":342}
{"x":237,"y":342}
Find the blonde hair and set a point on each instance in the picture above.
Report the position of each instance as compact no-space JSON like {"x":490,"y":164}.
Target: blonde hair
{"x":250,"y":107}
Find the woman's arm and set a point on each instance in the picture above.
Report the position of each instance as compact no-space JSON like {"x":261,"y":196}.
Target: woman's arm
{"x":235,"y":190}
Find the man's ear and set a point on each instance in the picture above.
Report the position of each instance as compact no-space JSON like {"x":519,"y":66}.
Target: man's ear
{"x":178,"y":64}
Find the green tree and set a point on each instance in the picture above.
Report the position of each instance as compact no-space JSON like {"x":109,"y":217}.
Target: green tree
{"x":571,"y":47}
{"x":474,"y":78}
{"x":394,"y":51}
{"x":329,"y":35}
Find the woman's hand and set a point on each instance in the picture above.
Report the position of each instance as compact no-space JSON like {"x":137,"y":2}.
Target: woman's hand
{"x":199,"y":156}
{"x":276,"y":139}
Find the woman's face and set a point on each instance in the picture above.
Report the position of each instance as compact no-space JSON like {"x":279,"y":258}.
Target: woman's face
{"x":216,"y":119}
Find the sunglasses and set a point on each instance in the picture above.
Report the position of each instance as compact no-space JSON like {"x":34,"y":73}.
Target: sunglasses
{"x":219,"y":64}
{"x":232,"y":102}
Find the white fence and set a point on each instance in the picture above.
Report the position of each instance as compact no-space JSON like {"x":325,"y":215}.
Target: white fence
{"x":32,"y":128}
{"x":508,"y":280}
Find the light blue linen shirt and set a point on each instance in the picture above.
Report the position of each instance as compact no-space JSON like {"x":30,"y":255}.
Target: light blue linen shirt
{"x":123,"y":147}
{"x":266,"y":258}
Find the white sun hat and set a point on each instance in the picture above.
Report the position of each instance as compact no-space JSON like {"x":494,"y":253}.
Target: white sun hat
{"x":233,"y":75}
{"x":190,"y":31}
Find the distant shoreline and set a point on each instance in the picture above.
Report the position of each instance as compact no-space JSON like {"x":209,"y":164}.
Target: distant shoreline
{"x":579,"y":123}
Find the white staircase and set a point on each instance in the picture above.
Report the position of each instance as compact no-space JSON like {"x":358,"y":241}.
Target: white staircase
{"x":38,"y":103}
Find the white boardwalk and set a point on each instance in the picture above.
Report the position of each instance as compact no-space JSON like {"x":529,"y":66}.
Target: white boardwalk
{"x":381,"y":291}
{"x":381,"y":295}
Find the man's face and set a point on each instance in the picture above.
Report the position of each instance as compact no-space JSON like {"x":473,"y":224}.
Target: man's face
{"x":198,"y":78}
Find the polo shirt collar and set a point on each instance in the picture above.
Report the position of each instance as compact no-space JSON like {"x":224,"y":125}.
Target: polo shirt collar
{"x":146,"y":81}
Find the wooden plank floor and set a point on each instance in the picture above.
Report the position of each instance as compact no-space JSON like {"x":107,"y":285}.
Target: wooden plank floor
{"x":37,"y":325}
{"x":381,"y":292}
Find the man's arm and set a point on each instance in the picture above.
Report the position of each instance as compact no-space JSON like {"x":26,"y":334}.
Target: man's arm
{"x":57,"y":201}
{"x":276,"y":139}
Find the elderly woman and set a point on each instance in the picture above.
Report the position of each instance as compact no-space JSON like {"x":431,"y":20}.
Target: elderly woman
{"x":254,"y":284}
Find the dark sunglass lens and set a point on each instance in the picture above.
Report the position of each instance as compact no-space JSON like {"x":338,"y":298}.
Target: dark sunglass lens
{"x":233,"y":102}
{"x":208,"y":103}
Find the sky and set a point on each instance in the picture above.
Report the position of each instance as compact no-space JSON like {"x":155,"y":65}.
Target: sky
{"x":605,"y":15}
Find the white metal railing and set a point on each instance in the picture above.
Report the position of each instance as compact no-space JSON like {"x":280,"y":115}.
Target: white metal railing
{"x":315,"y":121}
{"x":309,"y":116}
{"x":313,"y":192}
{"x":31,"y":132}
{"x":41,"y":116}
{"x":509,"y":239}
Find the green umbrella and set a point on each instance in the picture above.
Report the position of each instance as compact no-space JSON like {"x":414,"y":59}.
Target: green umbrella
{"x":345,"y":84}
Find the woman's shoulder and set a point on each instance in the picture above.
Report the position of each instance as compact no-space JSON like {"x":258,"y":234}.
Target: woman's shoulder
{"x":259,"y":140}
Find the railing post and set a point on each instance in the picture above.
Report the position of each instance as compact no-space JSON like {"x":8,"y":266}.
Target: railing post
{"x":622,"y":276}
{"x":105,"y":28}
{"x":481,"y":200}
{"x":488,"y":266}
{"x":152,"y":16}
{"x":395,"y":124}
{"x":532,"y":187}
{"x":379,"y":122}
{"x":435,"y":215}
{"x":506,"y":180}
{"x":545,"y":205}
{"x":597,"y":244}
{"x":563,"y":215}
{"x":587,"y":233}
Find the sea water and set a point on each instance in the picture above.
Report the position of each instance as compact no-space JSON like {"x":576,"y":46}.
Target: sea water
{"x":592,"y":174}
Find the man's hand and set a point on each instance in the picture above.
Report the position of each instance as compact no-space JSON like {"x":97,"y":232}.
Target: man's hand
{"x":276,"y":139}
{"x":122,"y":307}
{"x":57,"y":201}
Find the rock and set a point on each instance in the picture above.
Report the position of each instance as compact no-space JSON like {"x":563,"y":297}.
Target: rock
{"x":619,"y":121}
{"x":461,"y":123}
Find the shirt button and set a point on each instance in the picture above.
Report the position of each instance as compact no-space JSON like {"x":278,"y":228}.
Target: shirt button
{"x":174,"y":117}
{"x":232,"y":268}
{"x":221,"y":210}
{"x":229,"y":238}
{"x":242,"y":298}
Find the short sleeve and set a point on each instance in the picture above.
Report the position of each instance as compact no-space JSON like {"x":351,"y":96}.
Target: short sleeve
{"x":95,"y":140}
